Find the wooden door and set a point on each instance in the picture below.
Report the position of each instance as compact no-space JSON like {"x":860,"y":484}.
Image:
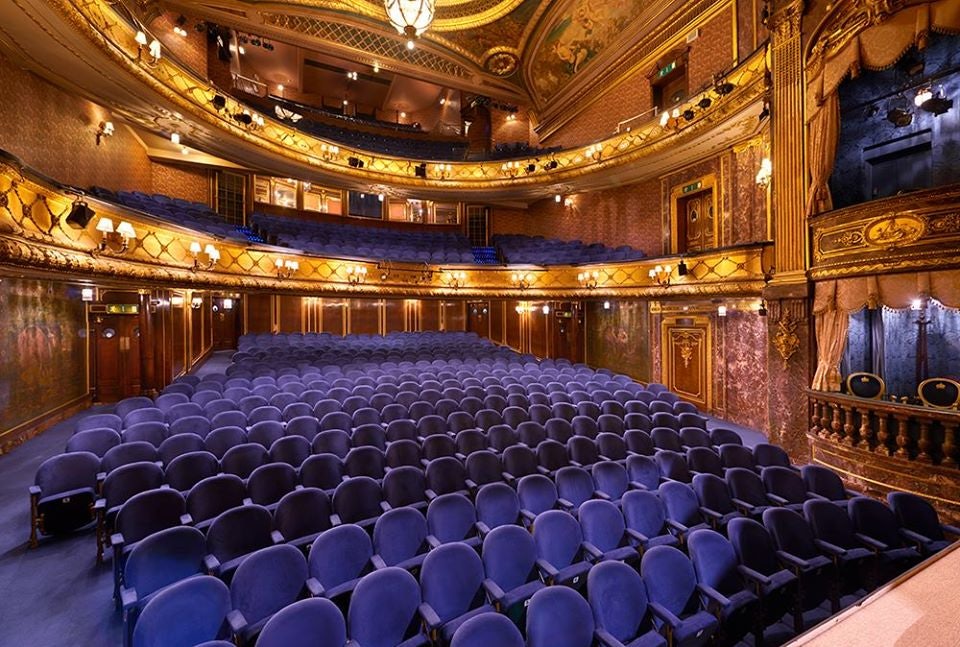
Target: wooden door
{"x":687,"y":360}
{"x":117,"y":348}
{"x":478,"y":318}
{"x":225,"y":325}
{"x":568,"y":341}
{"x":696,"y":222}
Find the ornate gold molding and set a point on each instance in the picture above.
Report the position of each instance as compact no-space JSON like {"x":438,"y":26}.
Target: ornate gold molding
{"x":785,"y":340}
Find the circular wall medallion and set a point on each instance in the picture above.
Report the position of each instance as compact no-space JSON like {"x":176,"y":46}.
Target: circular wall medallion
{"x":502,"y":63}
{"x":893,"y":231}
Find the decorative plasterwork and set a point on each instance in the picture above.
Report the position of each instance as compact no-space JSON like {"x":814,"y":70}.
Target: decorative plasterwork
{"x":785,"y":340}
{"x":35,"y":235}
{"x":193,"y":96}
{"x":898,"y":233}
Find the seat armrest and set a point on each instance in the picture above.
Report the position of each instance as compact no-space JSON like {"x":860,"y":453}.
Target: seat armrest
{"x":591,"y":550}
{"x":116,"y":540}
{"x":482,"y":529}
{"x":565,"y":504}
{"x":576,"y":463}
{"x":674,"y":525}
{"x":827,"y":547}
{"x":494,"y":592}
{"x":950,"y":530}
{"x":508,"y":477}
{"x":871,"y":542}
{"x":547,"y":567}
{"x":799,"y":562}
{"x":186,"y":520}
{"x":711,"y":514}
{"x":377,"y":562}
{"x":34,"y":490}
{"x":743,"y":505}
{"x":716,"y":599}
{"x":248,"y":501}
{"x":602,"y":495}
{"x":637,"y":485}
{"x":664,"y":614}
{"x":276,"y":537}
{"x":777,"y":500}
{"x":433,"y":542}
{"x":386,"y":507}
{"x":814,"y":495}
{"x":606,"y":639}
{"x":431,"y":495}
{"x":128,"y":597}
{"x":100,"y":505}
{"x":638,"y":536}
{"x":335,"y":520}
{"x":431,"y":620}
{"x":914,"y":537}
{"x":753,"y":575}
{"x":543,"y":470}
{"x":315,"y":587}
{"x":236,"y":621}
{"x":211,"y":563}
{"x":471,"y":484}
{"x":529,"y":516}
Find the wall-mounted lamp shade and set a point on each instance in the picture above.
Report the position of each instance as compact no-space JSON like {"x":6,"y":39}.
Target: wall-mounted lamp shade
{"x":105,"y":225}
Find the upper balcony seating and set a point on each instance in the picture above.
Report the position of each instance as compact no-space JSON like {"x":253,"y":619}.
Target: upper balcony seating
{"x":537,"y":250}
{"x":336,"y":239}
{"x":194,"y":215}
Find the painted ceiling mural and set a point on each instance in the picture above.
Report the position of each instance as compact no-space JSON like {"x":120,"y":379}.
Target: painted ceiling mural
{"x":575,"y":37}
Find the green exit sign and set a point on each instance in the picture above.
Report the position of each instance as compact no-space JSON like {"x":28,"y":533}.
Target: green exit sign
{"x":666,"y":69}
{"x":692,"y":187}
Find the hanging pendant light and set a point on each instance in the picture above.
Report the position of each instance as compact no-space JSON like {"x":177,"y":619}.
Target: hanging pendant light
{"x":410,"y":17}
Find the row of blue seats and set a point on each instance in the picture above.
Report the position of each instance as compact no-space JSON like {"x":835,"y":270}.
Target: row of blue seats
{"x":537,"y":250}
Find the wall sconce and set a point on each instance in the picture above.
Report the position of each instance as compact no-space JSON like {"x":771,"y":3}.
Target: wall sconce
{"x":510,"y":168}
{"x":228,"y":304}
{"x":765,"y":172}
{"x":213,"y":255}
{"x":442,"y":171}
{"x":558,"y":198}
{"x":285,"y":268}
{"x":176,"y":301}
{"x":595,"y":152}
{"x":104,"y":130}
{"x":661,"y":274}
{"x":86,"y":294}
{"x":356,"y":274}
{"x":521,"y":280}
{"x":588,"y":279}
{"x":932,"y":101}
{"x":568,"y":203}
{"x":606,"y":305}
{"x":721,"y":311}
{"x":456,"y":280}
{"x":916,"y":304}
{"x":196,"y":302}
{"x":117,"y":240}
{"x":545,"y":309}
{"x":762,"y":308}
{"x":328,"y":153}
{"x":153,"y":49}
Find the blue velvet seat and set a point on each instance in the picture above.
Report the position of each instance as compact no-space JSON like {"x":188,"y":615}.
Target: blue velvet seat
{"x":307,"y":623}
{"x":919,"y":522}
{"x":266,"y":582}
{"x":537,"y":494}
{"x":561,"y":557}
{"x":323,"y":471}
{"x":716,"y":504}
{"x":605,"y":534}
{"x":400,"y":539}
{"x":747,"y":491}
{"x":509,"y":562}
{"x":643,"y":472}
{"x":559,"y":617}
{"x":497,"y":504}
{"x":834,"y":534}
{"x":682,"y":508}
{"x":234,"y":534}
{"x":338,"y":559}
{"x":214,"y":495}
{"x":797,"y":551}
{"x":671,"y":587}
{"x":776,"y":587}
{"x":451,"y":584}
{"x":876,"y":525}
{"x":301,"y":515}
{"x":63,"y":494}
{"x":383,"y":610}
{"x":487,"y":629}
{"x":452,"y":518}
{"x":723,"y":589}
{"x":618,"y":598}
{"x":358,"y":500}
{"x":646,"y":519}
{"x":575,"y":486}
{"x":184,"y":614}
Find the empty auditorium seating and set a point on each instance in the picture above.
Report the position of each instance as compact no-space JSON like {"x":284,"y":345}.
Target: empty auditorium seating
{"x":537,"y":250}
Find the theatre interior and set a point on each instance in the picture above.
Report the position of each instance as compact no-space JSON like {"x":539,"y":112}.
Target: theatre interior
{"x":479,"y":323}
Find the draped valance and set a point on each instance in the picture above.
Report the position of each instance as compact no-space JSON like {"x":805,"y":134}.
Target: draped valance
{"x":891,"y":290}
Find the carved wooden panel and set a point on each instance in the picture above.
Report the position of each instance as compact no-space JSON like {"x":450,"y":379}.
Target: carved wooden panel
{"x":394,"y":315}
{"x":333,"y":316}
{"x":364,"y":316}
{"x":429,"y":315}
{"x":687,"y":358}
{"x":259,"y":313}
{"x":289,"y":314}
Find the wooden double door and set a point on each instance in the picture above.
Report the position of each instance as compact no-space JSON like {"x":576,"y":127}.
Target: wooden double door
{"x":117,"y":356}
{"x":687,"y":360}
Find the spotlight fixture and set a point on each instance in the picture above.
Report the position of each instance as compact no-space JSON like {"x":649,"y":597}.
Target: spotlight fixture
{"x":595,"y":152}
{"x":352,"y":76}
{"x":175,"y":139}
{"x":116,"y":239}
{"x":355,"y":162}
{"x":546,"y":309}
{"x":356,"y":274}
{"x":558,"y":198}
{"x":552,"y":164}
{"x":689,"y":114}
{"x":420,"y":170}
{"x":104,"y":130}
{"x":762,"y":310}
{"x":930,"y":101}
{"x":721,"y":311}
{"x":704,"y":103}
{"x":456,"y":280}
{"x":765,"y":173}
{"x":152,"y":49}
{"x":212,"y":253}
{"x":722,"y":86}
{"x":521,"y":280}
{"x":228,"y":304}
{"x":664,"y":118}
{"x":80,"y":215}
{"x":588,"y":279}
{"x":765,"y":112}
{"x":681,"y":268}
{"x":285,"y":268}
{"x":900,"y":117}
{"x":219,"y":102}
{"x":606,"y":305}
{"x":661,"y":275}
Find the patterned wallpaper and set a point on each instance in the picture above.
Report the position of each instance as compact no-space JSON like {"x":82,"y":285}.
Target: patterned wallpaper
{"x":55,"y":132}
{"x":43,"y":328}
{"x":195,"y":184}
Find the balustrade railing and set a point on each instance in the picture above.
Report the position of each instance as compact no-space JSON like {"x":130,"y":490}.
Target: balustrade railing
{"x":913,"y":433}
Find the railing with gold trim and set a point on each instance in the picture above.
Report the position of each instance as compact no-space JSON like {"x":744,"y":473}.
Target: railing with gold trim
{"x":34,"y":234}
{"x":907,"y":432}
{"x":98,"y":20}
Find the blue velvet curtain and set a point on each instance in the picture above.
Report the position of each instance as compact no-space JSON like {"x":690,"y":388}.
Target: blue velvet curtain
{"x":856,"y":355}
{"x":900,"y":351}
{"x":943,"y":341}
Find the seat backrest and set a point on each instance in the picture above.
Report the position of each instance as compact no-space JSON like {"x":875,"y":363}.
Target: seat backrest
{"x":770,"y":455}
{"x":302,"y":513}
{"x":324,"y":471}
{"x":315,"y":617}
{"x":268,"y":483}
{"x":575,"y":485}
{"x":784,"y":482}
{"x":382,"y":607}
{"x":497,"y":504}
{"x":537,"y":493}
{"x":712,"y":493}
{"x":405,"y":485}
{"x":267,"y":581}
{"x":163,"y":558}
{"x":487,"y":629}
{"x":873,"y":518}
{"x":214,"y":495}
{"x":558,"y":615}
{"x":185,"y":613}
{"x":239,"y":531}
{"x":557,"y":536}
{"x":644,"y":512}
{"x":451,"y":517}
{"x":602,"y":524}
{"x":746,"y":485}
{"x":509,"y":556}
{"x":830,"y":523}
{"x":753,"y":545}
{"x":339,"y":555}
{"x":399,"y":534}
{"x":148,"y":512}
{"x":714,"y":561}
{"x":669,"y":577}
{"x":618,"y":598}
{"x":610,"y":478}
{"x":681,"y":503}
{"x":823,"y":481}
{"x":916,"y":514}
{"x":356,"y":499}
{"x":451,"y":596}
{"x":790,"y":531}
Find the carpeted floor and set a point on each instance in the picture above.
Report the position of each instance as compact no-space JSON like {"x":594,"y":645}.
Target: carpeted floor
{"x":57,"y":595}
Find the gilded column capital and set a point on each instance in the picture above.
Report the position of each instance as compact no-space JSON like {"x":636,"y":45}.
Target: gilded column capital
{"x":785,"y":22}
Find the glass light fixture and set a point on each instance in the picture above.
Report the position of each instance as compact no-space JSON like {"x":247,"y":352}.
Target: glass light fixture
{"x":546,"y":309}
{"x":721,"y":311}
{"x":765,"y":172}
{"x":86,"y":294}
